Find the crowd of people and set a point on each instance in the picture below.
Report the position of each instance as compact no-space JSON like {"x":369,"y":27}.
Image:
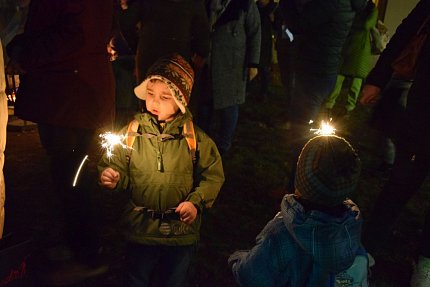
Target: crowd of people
{"x":171,"y":75}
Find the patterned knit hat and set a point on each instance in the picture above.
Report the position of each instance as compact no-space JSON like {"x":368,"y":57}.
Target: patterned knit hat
{"x":177,"y":73}
{"x":328,"y":170}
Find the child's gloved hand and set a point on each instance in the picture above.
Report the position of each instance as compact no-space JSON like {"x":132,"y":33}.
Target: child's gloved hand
{"x":109,"y":178}
{"x":187,"y":212}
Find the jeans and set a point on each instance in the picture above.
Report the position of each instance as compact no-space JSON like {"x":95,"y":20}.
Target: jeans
{"x":157,"y":265}
{"x":228,"y":123}
{"x":310,"y":92}
{"x":228,"y":118}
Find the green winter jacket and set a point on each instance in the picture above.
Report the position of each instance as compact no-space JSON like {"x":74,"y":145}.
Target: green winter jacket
{"x":160,"y":174}
{"x":356,"y":53}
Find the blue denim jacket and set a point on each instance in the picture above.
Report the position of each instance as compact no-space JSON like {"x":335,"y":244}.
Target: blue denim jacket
{"x":298,"y":248}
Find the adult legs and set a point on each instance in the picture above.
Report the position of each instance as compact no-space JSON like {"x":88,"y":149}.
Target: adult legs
{"x":265,"y":72}
{"x":408,"y":173}
{"x":228,"y":122}
{"x":66,"y":148}
{"x":390,"y":110}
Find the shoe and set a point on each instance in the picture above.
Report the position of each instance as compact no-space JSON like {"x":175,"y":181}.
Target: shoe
{"x":421,"y":275}
{"x":73,"y":272}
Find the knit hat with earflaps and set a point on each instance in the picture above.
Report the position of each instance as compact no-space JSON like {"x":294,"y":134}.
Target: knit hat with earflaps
{"x":328,"y":170}
{"x":177,"y":73}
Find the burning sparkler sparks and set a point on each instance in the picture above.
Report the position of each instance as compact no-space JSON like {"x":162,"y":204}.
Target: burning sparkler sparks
{"x":79,"y":170}
{"x":325,"y":129}
{"x":110,"y":140}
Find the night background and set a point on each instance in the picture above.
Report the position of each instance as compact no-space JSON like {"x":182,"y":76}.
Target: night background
{"x":256,"y":173}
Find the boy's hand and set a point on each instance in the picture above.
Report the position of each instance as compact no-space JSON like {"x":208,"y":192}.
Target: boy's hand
{"x":187,"y":212}
{"x":252,"y":73}
{"x":109,"y":178}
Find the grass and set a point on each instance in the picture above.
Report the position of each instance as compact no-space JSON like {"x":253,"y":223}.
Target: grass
{"x":256,"y":170}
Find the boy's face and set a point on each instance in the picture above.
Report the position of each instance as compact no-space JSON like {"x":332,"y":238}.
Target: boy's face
{"x":160,"y":102}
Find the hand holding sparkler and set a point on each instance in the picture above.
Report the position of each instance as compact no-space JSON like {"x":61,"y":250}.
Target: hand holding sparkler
{"x":109,"y":178}
{"x":187,"y":212}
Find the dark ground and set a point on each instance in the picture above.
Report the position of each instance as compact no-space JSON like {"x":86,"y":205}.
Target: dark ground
{"x":254,"y":171}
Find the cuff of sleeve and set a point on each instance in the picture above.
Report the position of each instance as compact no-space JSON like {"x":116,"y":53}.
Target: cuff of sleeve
{"x":252,"y":65}
{"x":195,"y":199}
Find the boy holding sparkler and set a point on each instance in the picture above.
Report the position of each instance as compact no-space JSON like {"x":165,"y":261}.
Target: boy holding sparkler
{"x":317,"y":232}
{"x":170,"y":184}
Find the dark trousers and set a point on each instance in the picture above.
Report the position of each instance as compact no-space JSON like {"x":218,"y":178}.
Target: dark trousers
{"x":157,"y":265}
{"x":224,"y":120}
{"x":408,"y":173}
{"x":66,"y":149}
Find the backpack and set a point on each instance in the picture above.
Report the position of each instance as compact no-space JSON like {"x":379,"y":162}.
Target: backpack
{"x":188,"y":133}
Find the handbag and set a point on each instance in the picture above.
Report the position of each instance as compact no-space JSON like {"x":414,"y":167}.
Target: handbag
{"x":405,"y":64}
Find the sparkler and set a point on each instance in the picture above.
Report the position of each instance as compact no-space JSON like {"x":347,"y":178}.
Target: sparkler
{"x":325,"y":129}
{"x":110,"y":140}
{"x":79,"y":170}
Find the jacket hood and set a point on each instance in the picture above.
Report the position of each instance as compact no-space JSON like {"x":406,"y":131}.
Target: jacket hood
{"x":332,"y":241}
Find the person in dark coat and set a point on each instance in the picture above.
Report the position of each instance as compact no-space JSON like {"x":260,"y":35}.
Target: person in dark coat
{"x":286,"y":51}
{"x":321,"y":28}
{"x":67,"y":88}
{"x":122,"y":48}
{"x":266,"y":9}
{"x":234,"y":59}
{"x":412,"y":163}
{"x":172,"y":26}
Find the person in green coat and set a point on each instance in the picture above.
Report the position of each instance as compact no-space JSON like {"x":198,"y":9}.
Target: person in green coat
{"x":169,"y":188}
{"x":356,"y":56}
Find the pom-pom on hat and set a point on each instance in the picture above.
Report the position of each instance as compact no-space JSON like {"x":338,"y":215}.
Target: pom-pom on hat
{"x":176,"y":72}
{"x":328,"y":170}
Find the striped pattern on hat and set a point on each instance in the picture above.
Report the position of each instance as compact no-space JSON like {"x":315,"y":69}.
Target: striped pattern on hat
{"x":328,"y":170}
{"x":177,"y":73}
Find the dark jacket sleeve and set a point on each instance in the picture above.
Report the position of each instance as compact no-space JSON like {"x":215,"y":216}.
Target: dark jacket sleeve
{"x":52,"y":32}
{"x":381,"y":73}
